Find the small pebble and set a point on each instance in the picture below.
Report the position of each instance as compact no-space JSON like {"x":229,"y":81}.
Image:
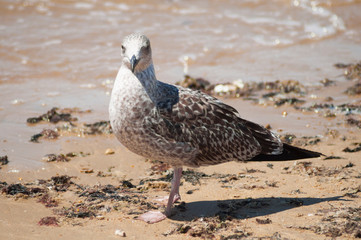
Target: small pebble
{"x":86,"y":170}
{"x":109,"y":151}
{"x":119,"y":232}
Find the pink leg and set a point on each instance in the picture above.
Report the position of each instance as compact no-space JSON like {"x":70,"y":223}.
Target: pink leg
{"x":156,"y":216}
{"x":174,"y":192}
{"x":177,"y":174}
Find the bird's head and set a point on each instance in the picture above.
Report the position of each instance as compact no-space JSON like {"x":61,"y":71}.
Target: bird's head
{"x":136,"y":52}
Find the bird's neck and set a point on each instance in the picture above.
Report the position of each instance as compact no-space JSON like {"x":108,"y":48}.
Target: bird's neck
{"x":147,"y":78}
{"x":162,"y":94}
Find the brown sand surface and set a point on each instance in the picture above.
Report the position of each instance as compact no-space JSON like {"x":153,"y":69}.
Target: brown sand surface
{"x":305,"y":199}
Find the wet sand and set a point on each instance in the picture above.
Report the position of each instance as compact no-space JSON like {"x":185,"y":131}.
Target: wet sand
{"x":103,"y":187}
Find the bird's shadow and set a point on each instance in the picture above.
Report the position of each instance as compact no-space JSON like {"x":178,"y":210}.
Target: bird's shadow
{"x":243,"y":208}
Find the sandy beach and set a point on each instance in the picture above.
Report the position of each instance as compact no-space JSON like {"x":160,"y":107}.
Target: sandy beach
{"x":94,"y":188}
{"x":291,"y":66}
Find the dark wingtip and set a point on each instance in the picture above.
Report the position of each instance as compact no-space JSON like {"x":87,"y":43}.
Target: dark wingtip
{"x":289,"y":153}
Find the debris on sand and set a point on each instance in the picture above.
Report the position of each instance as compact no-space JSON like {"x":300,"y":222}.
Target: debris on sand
{"x":355,"y":89}
{"x":310,"y":170}
{"x":3,"y":160}
{"x":54,"y":115}
{"x":55,"y":158}
{"x":327,"y":82}
{"x":19,"y":190}
{"x":101,"y":127}
{"x":14,"y":189}
{"x":79,"y":210}
{"x":86,"y":170}
{"x":193,"y":177}
{"x":188,"y":175}
{"x":102,"y":174}
{"x":194,"y":83}
{"x":120,"y":233}
{"x":235,"y":89}
{"x":63,"y":157}
{"x":338,"y":222}
{"x":288,"y":138}
{"x":352,"y":71}
{"x":61,"y":183}
{"x":331,"y":110}
{"x":353,"y":122}
{"x":283,"y":86}
{"x":48,"y":201}
{"x":352,"y":191}
{"x":263,"y":221}
{"x":3,"y":184}
{"x":356,"y":148}
{"x":211,"y":228}
{"x":109,"y":151}
{"x":276,"y":89}
{"x":302,"y":141}
{"x":127,"y":184}
{"x":48,"y":221}
{"x":289,"y":101}
{"x":204,"y":227}
{"x":46,"y":134}
{"x":97,"y":128}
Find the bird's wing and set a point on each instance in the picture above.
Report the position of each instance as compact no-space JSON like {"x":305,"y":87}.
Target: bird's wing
{"x":214,"y":128}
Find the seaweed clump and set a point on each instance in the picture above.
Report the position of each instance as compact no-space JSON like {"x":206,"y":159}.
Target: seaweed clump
{"x":46,"y":133}
{"x":353,"y":122}
{"x":338,"y":222}
{"x":352,"y":71}
{"x":18,"y":188}
{"x":54,"y":115}
{"x":357,"y":148}
{"x":97,"y":128}
{"x":61,"y":183}
{"x":48,"y":221}
{"x":310,"y":170}
{"x":63,"y":157}
{"x":195,"y":83}
{"x":3,"y":160}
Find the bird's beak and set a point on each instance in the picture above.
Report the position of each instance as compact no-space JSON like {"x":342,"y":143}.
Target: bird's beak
{"x":133,"y":62}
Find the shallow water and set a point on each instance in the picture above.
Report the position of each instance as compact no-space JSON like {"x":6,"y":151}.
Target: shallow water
{"x":66,"y":53}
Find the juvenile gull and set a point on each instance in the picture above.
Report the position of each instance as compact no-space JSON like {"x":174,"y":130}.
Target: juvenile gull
{"x":181,"y":126}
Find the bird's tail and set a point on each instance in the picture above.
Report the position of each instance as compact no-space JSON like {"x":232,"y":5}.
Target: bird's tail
{"x":289,"y":153}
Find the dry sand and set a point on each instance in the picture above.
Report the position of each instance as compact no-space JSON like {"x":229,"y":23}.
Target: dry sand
{"x":92,"y":196}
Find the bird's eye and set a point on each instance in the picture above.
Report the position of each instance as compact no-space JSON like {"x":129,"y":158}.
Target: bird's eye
{"x":123,"y":49}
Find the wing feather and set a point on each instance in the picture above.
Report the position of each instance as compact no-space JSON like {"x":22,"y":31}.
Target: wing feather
{"x":212,"y":127}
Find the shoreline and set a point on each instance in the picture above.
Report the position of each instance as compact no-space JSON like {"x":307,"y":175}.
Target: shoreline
{"x":94,"y":186}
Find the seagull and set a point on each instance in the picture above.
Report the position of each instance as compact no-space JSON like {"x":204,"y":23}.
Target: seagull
{"x":180,"y":126}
